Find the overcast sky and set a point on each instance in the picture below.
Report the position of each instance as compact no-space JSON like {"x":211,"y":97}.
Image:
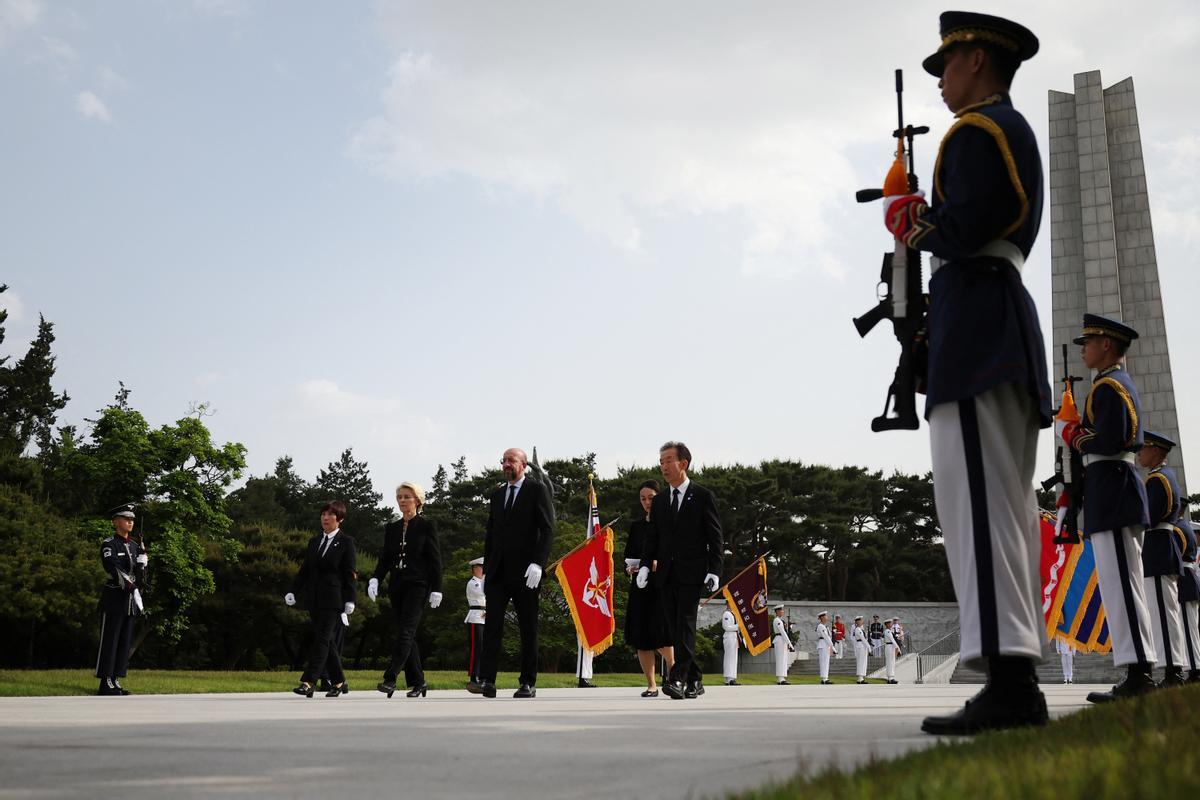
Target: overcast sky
{"x":428,"y":230}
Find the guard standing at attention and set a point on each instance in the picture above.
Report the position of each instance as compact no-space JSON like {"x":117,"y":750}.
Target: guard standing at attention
{"x":891,"y":649}
{"x":120,"y":600}
{"x":1189,"y":598}
{"x":1162,"y":557}
{"x":824,"y":646}
{"x":1115,"y":516}
{"x":729,"y":640}
{"x":859,"y":637}
{"x":987,"y":391}
{"x":476,"y":609}
{"x":782,"y":642}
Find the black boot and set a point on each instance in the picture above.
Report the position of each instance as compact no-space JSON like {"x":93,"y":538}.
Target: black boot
{"x":107,"y":688}
{"x":1010,"y":699}
{"x":1138,"y":680}
{"x":1172,"y":676}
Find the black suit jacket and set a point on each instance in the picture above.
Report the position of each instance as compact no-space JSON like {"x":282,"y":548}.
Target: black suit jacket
{"x":687,"y":545}
{"x":422,"y":555}
{"x":520,"y":536}
{"x":327,"y":582}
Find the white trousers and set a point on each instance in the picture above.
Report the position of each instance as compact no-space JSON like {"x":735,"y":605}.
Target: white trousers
{"x":840,"y":648}
{"x":1191,"y":633}
{"x":823,"y":661}
{"x":1166,"y":619}
{"x":1119,"y":576}
{"x":860,"y":660}
{"x":729,"y":665}
{"x":1068,"y":665}
{"x":984,"y":455}
{"x":877,"y":647}
{"x":583,"y":663}
{"x":889,"y":661}
{"x":781,"y":658}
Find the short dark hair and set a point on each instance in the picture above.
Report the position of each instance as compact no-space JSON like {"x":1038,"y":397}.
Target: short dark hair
{"x":1003,"y":62}
{"x":337,"y":507}
{"x":681,"y":451}
{"x":650,"y":484}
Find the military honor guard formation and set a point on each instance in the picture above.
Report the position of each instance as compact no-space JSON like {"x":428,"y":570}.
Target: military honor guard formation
{"x":982,"y":363}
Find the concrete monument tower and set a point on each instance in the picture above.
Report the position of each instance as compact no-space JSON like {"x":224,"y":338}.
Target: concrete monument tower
{"x":1102,"y":246}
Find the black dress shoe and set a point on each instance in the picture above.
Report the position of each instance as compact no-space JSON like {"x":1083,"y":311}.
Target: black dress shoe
{"x":826,"y":682}
{"x":994,"y":708}
{"x":121,"y":690}
{"x":732,"y":683}
{"x":334,"y":691}
{"x":345,"y":687}
{"x":650,"y":693}
{"x":783,"y":682}
{"x":673,"y":689}
{"x":418,"y":691}
{"x":1138,"y":680}
{"x":584,"y":683}
{"x":1172,"y":676}
{"x":862,"y":680}
{"x":107,"y":689}
{"x":474,"y":687}
{"x":387,"y":688}
{"x":304,"y":690}
{"x":525,"y":691}
{"x":487,"y":689}
{"x":892,"y":680}
{"x":694,"y":689}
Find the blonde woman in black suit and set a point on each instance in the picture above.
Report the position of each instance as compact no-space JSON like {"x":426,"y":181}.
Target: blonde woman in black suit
{"x":326,"y":584}
{"x":412,"y":556}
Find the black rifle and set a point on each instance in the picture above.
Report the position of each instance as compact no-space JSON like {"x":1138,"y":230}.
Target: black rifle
{"x":1068,"y":468}
{"x":901,"y":300}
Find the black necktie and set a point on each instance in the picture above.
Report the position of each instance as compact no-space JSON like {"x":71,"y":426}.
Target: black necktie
{"x":674,"y":501}
{"x":512,"y":495}
{"x":325,"y":546}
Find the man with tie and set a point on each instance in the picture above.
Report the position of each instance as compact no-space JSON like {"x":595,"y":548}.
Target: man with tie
{"x":520,"y":530}
{"x":684,"y":546}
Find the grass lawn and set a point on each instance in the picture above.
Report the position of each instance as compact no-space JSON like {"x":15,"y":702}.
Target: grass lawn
{"x":30,"y":683}
{"x":1144,"y":748}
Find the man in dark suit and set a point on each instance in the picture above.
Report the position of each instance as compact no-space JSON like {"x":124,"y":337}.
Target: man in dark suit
{"x":520,"y":529}
{"x":325,"y":582}
{"x":684,"y":545}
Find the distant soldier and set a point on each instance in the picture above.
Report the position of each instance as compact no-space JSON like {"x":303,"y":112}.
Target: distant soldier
{"x":858,"y":636}
{"x":729,"y":639}
{"x":1162,"y":557}
{"x":839,"y":636}
{"x":824,"y":646}
{"x":782,"y":642}
{"x":891,"y":649}
{"x":1189,"y":598}
{"x":876,"y":636}
{"x":476,"y":608}
{"x":1066,"y":652}
{"x":120,"y":600}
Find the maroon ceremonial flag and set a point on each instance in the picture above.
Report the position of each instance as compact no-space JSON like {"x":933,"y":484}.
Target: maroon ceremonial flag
{"x":747,"y":596}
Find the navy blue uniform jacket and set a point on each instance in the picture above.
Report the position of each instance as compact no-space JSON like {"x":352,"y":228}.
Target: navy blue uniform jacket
{"x":1113,"y":494}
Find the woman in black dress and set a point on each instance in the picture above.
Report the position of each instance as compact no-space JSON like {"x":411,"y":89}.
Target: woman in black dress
{"x":645,"y":624}
{"x":411,"y":554}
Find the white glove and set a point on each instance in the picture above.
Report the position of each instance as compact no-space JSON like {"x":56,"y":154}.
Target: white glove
{"x":435,"y":599}
{"x":346,"y":620}
{"x":349,"y":609}
{"x":712,"y":582}
{"x":373,"y":589}
{"x":143,"y":559}
{"x":290,"y":599}
{"x":533,"y":576}
{"x":137,"y":600}
{"x":643,"y":578}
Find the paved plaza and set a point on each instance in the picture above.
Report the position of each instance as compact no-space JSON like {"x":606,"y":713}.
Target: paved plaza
{"x":565,"y":743}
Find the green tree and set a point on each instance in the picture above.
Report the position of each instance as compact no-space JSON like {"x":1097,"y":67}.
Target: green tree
{"x":349,"y":480}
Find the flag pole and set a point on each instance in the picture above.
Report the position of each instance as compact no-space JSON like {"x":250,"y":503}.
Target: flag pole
{"x":579,"y":546}
{"x":735,"y":577}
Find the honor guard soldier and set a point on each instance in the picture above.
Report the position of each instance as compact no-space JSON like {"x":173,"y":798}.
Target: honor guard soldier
{"x":876,"y":634}
{"x":1066,"y":652}
{"x":839,"y":636}
{"x":1114,"y":499}
{"x":987,"y":390}
{"x":891,"y":649}
{"x":729,"y":641}
{"x":1189,"y":598}
{"x":476,"y":607}
{"x":1162,"y":557}
{"x":120,"y":600}
{"x":782,"y":642}
{"x":859,"y":637}
{"x":824,"y":646}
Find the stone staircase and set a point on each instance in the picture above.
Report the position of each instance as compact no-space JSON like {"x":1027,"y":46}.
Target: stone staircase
{"x":838,"y":667}
{"x":1089,"y":668}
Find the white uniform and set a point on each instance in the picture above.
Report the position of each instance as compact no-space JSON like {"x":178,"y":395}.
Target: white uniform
{"x":1067,"y":653}
{"x":583,"y":662}
{"x":729,"y":638}
{"x":824,"y":645}
{"x":889,"y":653}
{"x":476,"y":602}
{"x":859,"y":637}
{"x":1191,"y":623}
{"x":783,"y":644}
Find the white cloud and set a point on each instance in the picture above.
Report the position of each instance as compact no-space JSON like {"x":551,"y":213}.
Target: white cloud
{"x":92,"y":107}
{"x":59,"y":54}
{"x":10,"y":301}
{"x":16,"y":15}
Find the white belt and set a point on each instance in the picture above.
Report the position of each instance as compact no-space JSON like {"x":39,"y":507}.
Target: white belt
{"x":1092,"y":458}
{"x":997,"y":248}
{"x":1164,"y":526}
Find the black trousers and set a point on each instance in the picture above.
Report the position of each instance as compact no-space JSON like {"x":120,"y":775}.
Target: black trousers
{"x":116,"y":634}
{"x":680,"y":603}
{"x":474,"y":649}
{"x":525,"y":602}
{"x":323,"y":656}
{"x":408,"y":601}
{"x":336,"y":648}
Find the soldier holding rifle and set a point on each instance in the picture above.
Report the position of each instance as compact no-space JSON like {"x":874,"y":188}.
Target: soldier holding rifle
{"x":120,"y":600}
{"x":987,"y":386}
